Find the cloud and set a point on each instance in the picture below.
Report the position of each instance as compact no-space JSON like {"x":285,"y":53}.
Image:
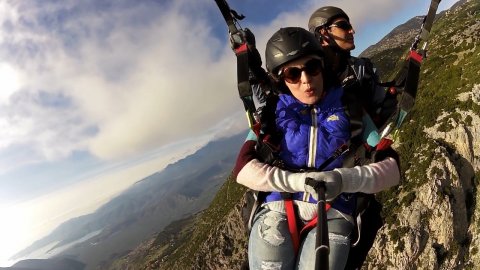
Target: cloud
{"x":10,"y":81}
{"x":116,"y":80}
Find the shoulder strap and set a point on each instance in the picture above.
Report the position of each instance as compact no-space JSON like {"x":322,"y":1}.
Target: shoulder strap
{"x":362,"y":68}
{"x":239,"y":45}
{"x":407,"y":78}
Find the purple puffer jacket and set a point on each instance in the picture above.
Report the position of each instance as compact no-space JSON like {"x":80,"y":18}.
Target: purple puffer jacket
{"x":311,"y":134}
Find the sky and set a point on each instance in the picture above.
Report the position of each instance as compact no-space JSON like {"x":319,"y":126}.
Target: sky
{"x":96,"y":94}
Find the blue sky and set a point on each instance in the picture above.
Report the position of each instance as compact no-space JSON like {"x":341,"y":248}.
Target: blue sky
{"x":99,"y":94}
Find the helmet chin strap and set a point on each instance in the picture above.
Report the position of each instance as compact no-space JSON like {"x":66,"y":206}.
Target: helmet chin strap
{"x":331,"y":39}
{"x":334,"y":37}
{"x":336,"y":56}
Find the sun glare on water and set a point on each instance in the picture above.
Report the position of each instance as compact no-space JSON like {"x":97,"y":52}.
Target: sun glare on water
{"x":13,"y":233}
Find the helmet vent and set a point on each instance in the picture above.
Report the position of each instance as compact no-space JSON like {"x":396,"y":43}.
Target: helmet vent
{"x":292,"y":53}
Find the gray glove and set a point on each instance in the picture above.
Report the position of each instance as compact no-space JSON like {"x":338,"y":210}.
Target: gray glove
{"x":332,"y":180}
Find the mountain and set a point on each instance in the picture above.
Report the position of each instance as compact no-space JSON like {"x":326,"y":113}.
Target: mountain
{"x":388,"y":51}
{"x":212,"y":239}
{"x":180,"y":190}
{"x":432,"y":220}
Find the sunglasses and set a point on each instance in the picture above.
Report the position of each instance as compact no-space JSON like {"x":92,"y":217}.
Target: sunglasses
{"x":312,"y":67}
{"x":344,"y":25}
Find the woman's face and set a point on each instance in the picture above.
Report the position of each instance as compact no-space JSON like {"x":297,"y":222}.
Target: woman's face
{"x":304,"y":79}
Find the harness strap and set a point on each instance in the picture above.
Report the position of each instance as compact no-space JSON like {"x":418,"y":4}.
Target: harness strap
{"x":359,"y":230}
{"x":292,"y":224}
{"x":408,"y":76}
{"x":244,"y":88}
{"x":312,"y":223}
{"x":295,"y":233}
{"x":239,"y":45}
{"x":384,"y":144}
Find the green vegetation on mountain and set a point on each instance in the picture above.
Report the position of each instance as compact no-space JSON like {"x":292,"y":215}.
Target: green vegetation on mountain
{"x":177,"y":246}
{"x":228,"y":196}
{"x":451,"y":68}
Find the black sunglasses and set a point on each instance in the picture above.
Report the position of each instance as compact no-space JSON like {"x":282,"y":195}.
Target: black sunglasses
{"x":344,"y":25}
{"x":312,"y":67}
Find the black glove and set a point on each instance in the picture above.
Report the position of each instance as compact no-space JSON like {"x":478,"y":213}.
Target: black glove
{"x":380,"y":155}
{"x":254,"y":58}
{"x":250,"y":38}
{"x":246,"y":36}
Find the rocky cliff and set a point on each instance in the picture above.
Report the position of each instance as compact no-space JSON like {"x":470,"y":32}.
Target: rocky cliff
{"x":438,"y":227}
{"x":432,"y":219}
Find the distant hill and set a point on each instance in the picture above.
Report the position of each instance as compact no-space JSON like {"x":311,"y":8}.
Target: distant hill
{"x":47,"y":264}
{"x":388,"y":51}
{"x":181,"y":189}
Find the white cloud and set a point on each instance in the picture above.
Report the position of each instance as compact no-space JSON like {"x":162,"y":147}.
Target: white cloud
{"x":10,"y":82}
{"x":112,"y":81}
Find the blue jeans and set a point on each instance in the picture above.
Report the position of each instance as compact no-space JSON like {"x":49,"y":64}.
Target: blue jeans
{"x":270,"y":245}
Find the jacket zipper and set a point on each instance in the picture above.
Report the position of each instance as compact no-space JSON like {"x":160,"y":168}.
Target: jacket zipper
{"x":312,"y":146}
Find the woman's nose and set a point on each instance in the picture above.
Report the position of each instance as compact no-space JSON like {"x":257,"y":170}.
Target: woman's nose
{"x":305,"y":78}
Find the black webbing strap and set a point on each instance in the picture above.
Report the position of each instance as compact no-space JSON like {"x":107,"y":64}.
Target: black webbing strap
{"x":244,"y":88}
{"x":427,"y":23}
{"x":229,"y":15}
{"x":240,"y":48}
{"x":411,"y":80}
{"x":408,"y":77}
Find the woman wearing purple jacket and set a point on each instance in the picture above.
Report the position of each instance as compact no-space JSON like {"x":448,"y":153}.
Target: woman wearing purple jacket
{"x":313,"y":123}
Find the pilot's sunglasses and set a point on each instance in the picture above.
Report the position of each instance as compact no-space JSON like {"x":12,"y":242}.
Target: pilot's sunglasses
{"x":344,"y":25}
{"x":312,"y":67}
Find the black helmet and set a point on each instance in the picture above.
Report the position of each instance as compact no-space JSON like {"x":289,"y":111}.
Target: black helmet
{"x":288,"y":44}
{"x":324,"y":16}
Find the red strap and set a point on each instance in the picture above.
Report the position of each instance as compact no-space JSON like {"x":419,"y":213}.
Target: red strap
{"x":415,"y":56}
{"x":241,"y":49}
{"x":312,"y":223}
{"x":256,"y":128}
{"x":292,"y":224}
{"x":383,"y":144}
